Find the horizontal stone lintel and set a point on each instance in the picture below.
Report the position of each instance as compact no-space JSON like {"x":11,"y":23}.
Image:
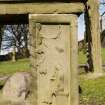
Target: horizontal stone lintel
{"x":42,"y":0}
{"x":51,"y":18}
{"x":40,"y":8}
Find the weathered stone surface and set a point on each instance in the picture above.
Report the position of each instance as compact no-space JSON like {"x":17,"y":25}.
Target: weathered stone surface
{"x":51,"y":18}
{"x":51,"y":67}
{"x":53,"y":52}
{"x":51,"y":63}
{"x":42,"y":0}
{"x":32,"y":8}
{"x":17,"y":87}
{"x":74,"y":96}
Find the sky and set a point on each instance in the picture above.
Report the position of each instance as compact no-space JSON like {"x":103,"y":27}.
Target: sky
{"x":6,"y":51}
{"x":81,"y":27}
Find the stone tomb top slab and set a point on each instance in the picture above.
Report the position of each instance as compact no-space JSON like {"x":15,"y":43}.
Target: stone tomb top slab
{"x":43,"y":0}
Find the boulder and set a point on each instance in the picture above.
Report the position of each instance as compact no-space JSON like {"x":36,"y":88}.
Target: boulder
{"x":17,"y":87}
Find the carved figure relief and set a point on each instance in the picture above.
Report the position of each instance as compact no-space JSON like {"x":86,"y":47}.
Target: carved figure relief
{"x":51,"y":62}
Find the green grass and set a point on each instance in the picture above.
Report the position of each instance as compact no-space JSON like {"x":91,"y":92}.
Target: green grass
{"x":93,"y":91}
{"x":82,"y":59}
{"x":8,"y":67}
{"x":103,"y":55}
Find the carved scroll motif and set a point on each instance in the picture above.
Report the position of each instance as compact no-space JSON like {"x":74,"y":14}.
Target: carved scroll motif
{"x":51,"y":62}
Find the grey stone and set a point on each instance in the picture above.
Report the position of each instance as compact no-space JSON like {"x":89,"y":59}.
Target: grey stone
{"x":17,"y":87}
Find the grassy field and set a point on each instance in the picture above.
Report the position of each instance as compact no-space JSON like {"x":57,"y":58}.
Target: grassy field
{"x":82,"y":56}
{"x":9,"y":67}
{"x":93,"y":91}
{"x":103,"y":55}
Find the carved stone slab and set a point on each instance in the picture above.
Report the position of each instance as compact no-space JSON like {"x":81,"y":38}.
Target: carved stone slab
{"x":51,"y":62}
{"x":54,"y":58}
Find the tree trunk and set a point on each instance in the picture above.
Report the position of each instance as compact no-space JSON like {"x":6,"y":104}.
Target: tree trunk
{"x":14,"y":54}
{"x":1,"y":34}
{"x":93,"y":27}
{"x":26,"y":46}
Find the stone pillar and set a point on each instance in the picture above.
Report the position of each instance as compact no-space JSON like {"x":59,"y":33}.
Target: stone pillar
{"x":32,"y":47}
{"x":74,"y":96}
{"x":94,"y":32}
{"x":54,"y":59}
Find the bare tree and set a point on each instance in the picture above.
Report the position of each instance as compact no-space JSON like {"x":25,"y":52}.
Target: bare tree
{"x":19,"y":39}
